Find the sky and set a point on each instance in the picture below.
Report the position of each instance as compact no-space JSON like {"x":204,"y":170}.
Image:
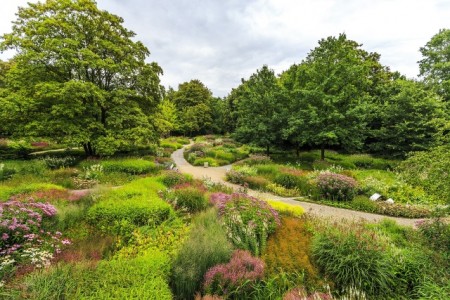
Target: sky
{"x":221,"y":41}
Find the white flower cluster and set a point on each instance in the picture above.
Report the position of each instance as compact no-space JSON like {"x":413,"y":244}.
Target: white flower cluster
{"x":39,"y":258}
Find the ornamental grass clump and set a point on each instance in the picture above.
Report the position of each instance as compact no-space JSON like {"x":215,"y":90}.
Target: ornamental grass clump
{"x":248,"y":220}
{"x":353,"y":256}
{"x":336,"y":186}
{"x":236,"y":276}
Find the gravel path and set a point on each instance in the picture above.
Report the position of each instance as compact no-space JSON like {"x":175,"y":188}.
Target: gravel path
{"x":217,"y":174}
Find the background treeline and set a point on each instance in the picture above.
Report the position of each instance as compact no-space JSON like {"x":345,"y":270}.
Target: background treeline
{"x":79,"y":78}
{"x":339,"y":97}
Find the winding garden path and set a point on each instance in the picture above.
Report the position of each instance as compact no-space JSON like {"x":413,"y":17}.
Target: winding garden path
{"x":217,"y":174}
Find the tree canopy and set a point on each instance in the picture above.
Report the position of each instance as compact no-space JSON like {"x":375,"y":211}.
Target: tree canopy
{"x":260,"y":106}
{"x":435,"y":65}
{"x":328,"y":95}
{"x":79,"y":77}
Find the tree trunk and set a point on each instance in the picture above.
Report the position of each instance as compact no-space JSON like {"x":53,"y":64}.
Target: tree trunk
{"x":88,"y":149}
{"x":297,"y":151}
{"x":267,"y":150}
{"x":322,"y":152}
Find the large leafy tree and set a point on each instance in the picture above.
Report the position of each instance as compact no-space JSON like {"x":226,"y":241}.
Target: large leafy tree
{"x":259,"y":104}
{"x":79,"y":77}
{"x":193,"y":101}
{"x":329,"y":93}
{"x":435,"y":65}
{"x":411,"y":118}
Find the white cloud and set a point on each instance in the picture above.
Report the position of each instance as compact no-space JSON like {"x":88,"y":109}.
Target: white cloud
{"x":220,"y":42}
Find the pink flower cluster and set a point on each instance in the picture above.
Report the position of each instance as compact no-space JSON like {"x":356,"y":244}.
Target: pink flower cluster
{"x":21,"y":226}
{"x":242,"y":268}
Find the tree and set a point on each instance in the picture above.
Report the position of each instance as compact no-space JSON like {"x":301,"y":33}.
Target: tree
{"x":329,"y":94}
{"x":193,"y":102}
{"x":411,"y":118}
{"x":259,"y":108}
{"x":80,"y":78}
{"x":166,"y":118}
{"x":435,"y":65}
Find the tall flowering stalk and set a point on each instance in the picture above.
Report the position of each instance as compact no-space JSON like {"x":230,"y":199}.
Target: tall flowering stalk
{"x":248,"y":220}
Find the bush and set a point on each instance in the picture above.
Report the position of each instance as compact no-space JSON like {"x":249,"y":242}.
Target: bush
{"x":189,"y":198}
{"x":132,"y":205}
{"x":130,"y":166}
{"x":287,"y":209}
{"x":355,"y":257}
{"x":172,"y":178}
{"x":436,"y":233}
{"x":206,"y":246}
{"x":235,"y":276}
{"x":234,"y":177}
{"x":288,"y":181}
{"x":336,"y":187}
{"x":429,"y":170}
{"x":248,"y":221}
{"x":256,"y":182}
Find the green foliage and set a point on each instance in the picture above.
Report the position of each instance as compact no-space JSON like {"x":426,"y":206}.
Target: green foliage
{"x":429,"y":170}
{"x":135,"y":204}
{"x":130,"y":165}
{"x":328,"y":94}
{"x":436,"y":233}
{"x":433,"y":66}
{"x":288,"y":181}
{"x":206,"y":247}
{"x":6,"y":172}
{"x":287,"y":209}
{"x":354,"y":257}
{"x":189,"y":198}
{"x":7,"y":191}
{"x":260,"y":109}
{"x":194,"y":110}
{"x":144,"y":277}
{"x":172,"y":178}
{"x":100,"y":92}
{"x":410,"y":118}
{"x":59,"y":162}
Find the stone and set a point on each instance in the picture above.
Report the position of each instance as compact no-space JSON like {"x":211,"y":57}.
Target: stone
{"x":375,"y":197}
{"x":205,"y":164}
{"x":390,"y":201}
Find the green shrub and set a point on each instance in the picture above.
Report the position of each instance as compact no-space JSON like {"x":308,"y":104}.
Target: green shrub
{"x":234,"y":177}
{"x":429,"y":170}
{"x":336,"y":186}
{"x":288,"y":181}
{"x":436,"y":233}
{"x":206,"y":246}
{"x":172,"y":146}
{"x":220,"y":154}
{"x":355,"y":257}
{"x":256,"y":182}
{"x":172,"y":178}
{"x":132,"y":205}
{"x":189,"y":198}
{"x":143,"y":277}
{"x":129,"y":165}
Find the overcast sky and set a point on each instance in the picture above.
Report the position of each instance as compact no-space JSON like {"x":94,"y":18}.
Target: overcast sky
{"x":221,"y":41}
